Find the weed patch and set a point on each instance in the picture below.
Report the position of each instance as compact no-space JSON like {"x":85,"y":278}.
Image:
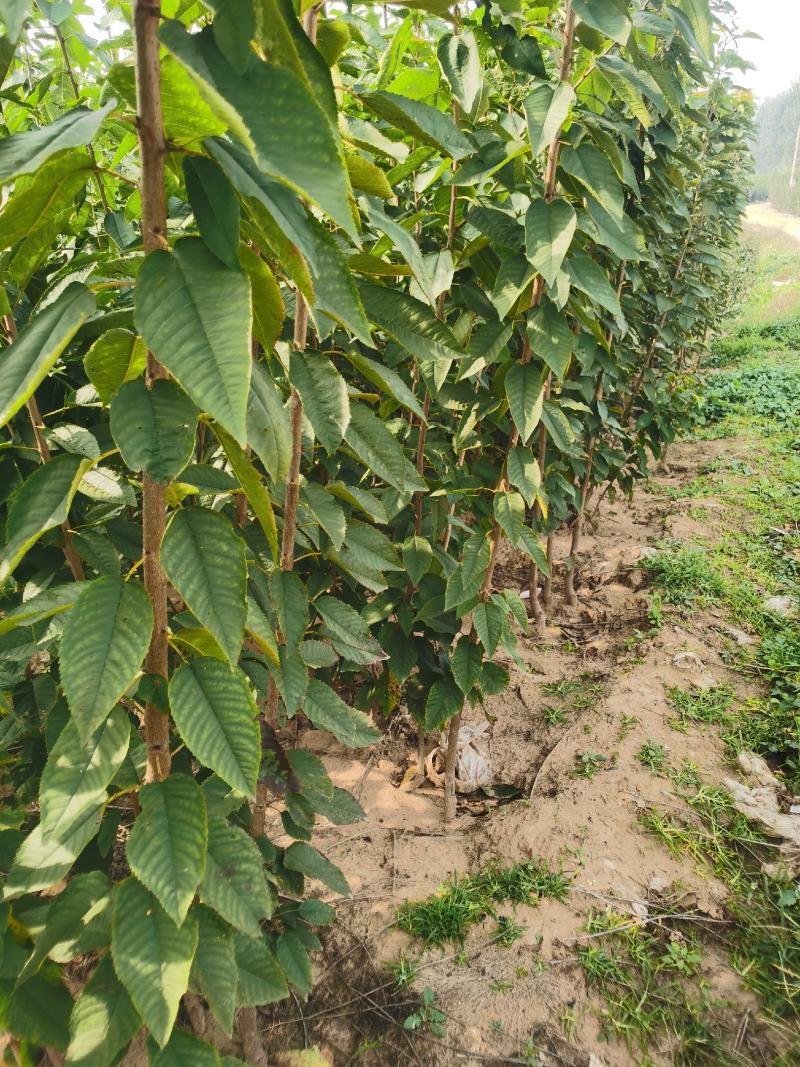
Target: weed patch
{"x":699,"y":707}
{"x":685,"y":577}
{"x":463,"y":902}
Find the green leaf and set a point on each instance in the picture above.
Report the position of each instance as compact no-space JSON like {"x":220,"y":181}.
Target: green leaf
{"x":84,"y":900}
{"x":183,"y":1049}
{"x":474,"y":563}
{"x":291,"y":140}
{"x":411,"y":323}
{"x":51,"y":601}
{"x":324,"y":394}
{"x":261,"y":980}
{"x":152,"y":957}
{"x":625,"y":239}
{"x":589,"y":166}
{"x":294,"y":959}
{"x":105,"y":639}
{"x":590,"y":278}
{"x":465,"y":663}
{"x":117,"y":356}
{"x":523,"y":472}
{"x":551,"y":338}
{"x":380,"y":451}
{"x":41,"y":861}
{"x":268,"y":430}
{"x":368,"y":177}
{"x":512,"y":279}
{"x":291,"y":606}
{"x":445,"y":700}
{"x":234,"y":884}
{"x":103,"y":1020}
{"x":461,"y":65}
{"x":214,"y":968}
{"x":204,"y":559}
{"x":535,"y":550}
{"x":37,"y":1012}
{"x":40,"y":504}
{"x":308,"y":861}
{"x":347,"y":631}
{"x":194,"y":314}
{"x":291,"y":678}
{"x":549,"y":229}
{"x":36,"y":202}
{"x":405,"y":244}
{"x":154,"y":428}
{"x":488,"y":622}
{"x":215,"y":714}
{"x":326,"y":511}
{"x":501,"y":227}
{"x":558,"y":426}
{"x":547,"y":108}
{"x":268,"y":309}
{"x":14,"y":13}
{"x":509,"y":510}
{"x":253,"y":486}
{"x":386,"y":379}
{"x":78,"y":771}
{"x":26,"y":362}
{"x":329,"y":712}
{"x":166,"y":848}
{"x":370,"y":548}
{"x":215,"y":207}
{"x":417,"y":557}
{"x":607,"y":16}
{"x":425,"y":124}
{"x":24,"y":153}
{"x":525,"y":397}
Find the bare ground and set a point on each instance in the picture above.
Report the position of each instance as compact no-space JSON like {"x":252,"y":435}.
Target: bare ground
{"x":497,"y":998}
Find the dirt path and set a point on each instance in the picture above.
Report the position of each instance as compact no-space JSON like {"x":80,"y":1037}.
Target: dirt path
{"x":766,"y":217}
{"x":576,"y":720}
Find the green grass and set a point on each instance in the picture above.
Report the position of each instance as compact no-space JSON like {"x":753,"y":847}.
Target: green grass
{"x":652,"y":755}
{"x":685,"y":577}
{"x":699,"y":707}
{"x":461,"y":903}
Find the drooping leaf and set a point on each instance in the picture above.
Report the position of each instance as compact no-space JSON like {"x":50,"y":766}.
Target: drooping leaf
{"x":182,"y":1049}
{"x":465,"y":663}
{"x":324,"y":394}
{"x":54,"y":600}
{"x":26,"y":362}
{"x":546,"y":109}
{"x":234,"y":884}
{"x":551,"y":337}
{"x":74,"y":922}
{"x":412,"y":323}
{"x":116,"y":356}
{"x":607,"y":16}
{"x":593,"y":170}
{"x":268,"y":309}
{"x":253,"y":486}
{"x":347,"y":631}
{"x":488,"y":621}
{"x":294,"y":959}
{"x":215,"y":207}
{"x":292,"y":140}
{"x":329,"y":712}
{"x":42,"y":861}
{"x":194,"y":314}
{"x":380,"y":451}
{"x":205,"y":560}
{"x":268,"y":431}
{"x":291,"y":605}
{"x":417,"y":557}
{"x":105,"y":639}
{"x":525,"y":398}
{"x":549,"y":229}
{"x":215,"y":714}
{"x":461,"y":65}
{"x":445,"y":700}
{"x":214,"y":968}
{"x":152,"y":956}
{"x":78,"y":771}
{"x":325,"y":509}
{"x":425,"y":123}
{"x":154,"y":428}
{"x":103,"y":1019}
{"x":261,"y":980}
{"x":588,"y":276}
{"x":166,"y":848}
{"x":509,"y":510}
{"x":24,"y":153}
{"x":523,"y":472}
{"x":35,"y":202}
{"x":308,"y":861}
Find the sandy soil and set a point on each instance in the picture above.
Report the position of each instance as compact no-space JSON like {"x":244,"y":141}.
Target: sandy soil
{"x":765,"y":216}
{"x":499,"y":998}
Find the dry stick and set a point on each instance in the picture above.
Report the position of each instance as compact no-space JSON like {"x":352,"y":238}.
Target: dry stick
{"x":72,"y":557}
{"x":577,"y":528}
{"x":146,"y":17}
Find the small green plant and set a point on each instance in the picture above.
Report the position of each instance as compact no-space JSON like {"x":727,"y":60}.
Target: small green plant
{"x":500,"y":985}
{"x":687,"y":775}
{"x":588,"y":763}
{"x":626,"y":725}
{"x":682,"y":956}
{"x":463,"y":902}
{"x":553,"y":716}
{"x":652,"y":755}
{"x":508,"y":931}
{"x":427,"y":1016}
{"x":685,"y":577}
{"x":699,"y":706}
{"x":404,"y":971}
{"x":655,"y":612}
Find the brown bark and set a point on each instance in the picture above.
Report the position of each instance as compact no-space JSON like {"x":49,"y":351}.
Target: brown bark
{"x":146,"y":17}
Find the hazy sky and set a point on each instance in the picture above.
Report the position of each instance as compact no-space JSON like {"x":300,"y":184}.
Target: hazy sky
{"x":777,"y":56}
